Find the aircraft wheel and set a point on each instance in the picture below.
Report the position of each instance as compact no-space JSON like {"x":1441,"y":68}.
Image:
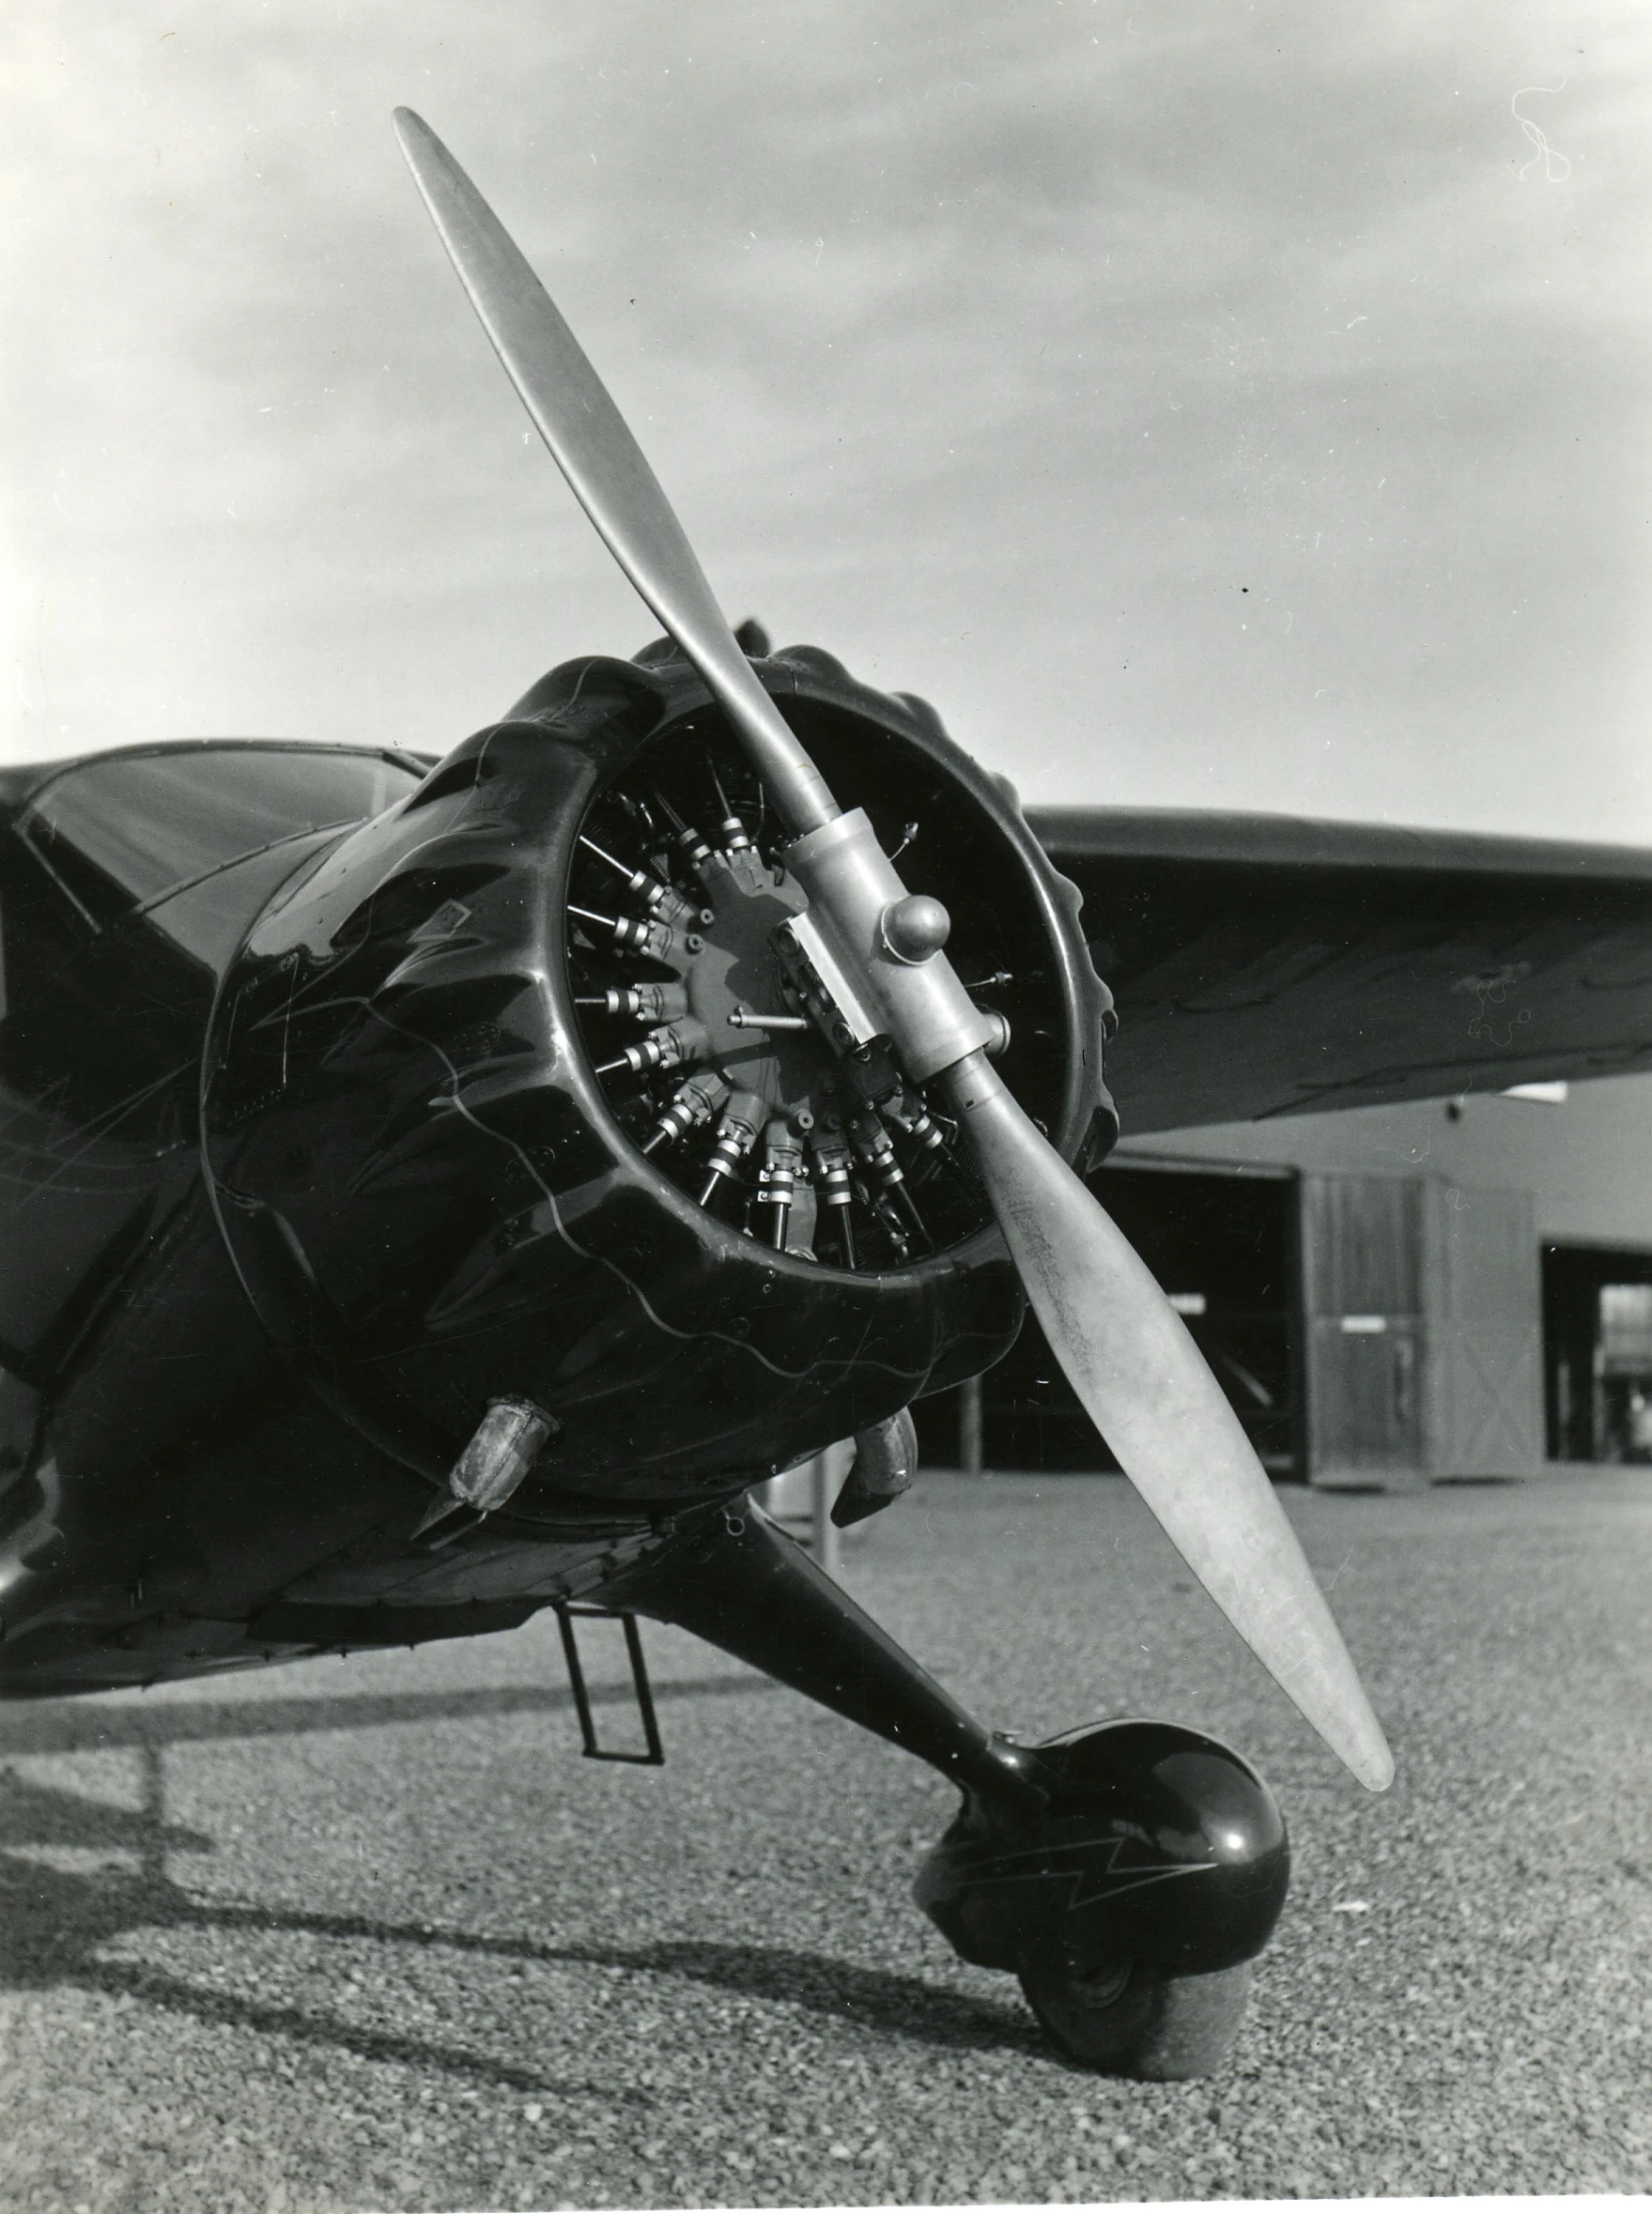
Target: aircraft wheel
{"x":1129,"y":2017}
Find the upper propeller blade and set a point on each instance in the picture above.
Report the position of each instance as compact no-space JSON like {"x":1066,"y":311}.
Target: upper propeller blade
{"x":1140,"y":1378}
{"x":1128,"y":1356}
{"x":610,"y":476}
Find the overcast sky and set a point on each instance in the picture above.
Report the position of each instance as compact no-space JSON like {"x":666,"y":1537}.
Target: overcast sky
{"x":1203,"y":404}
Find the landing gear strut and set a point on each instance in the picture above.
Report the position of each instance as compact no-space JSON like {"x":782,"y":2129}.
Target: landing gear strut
{"x":1126,"y":1874}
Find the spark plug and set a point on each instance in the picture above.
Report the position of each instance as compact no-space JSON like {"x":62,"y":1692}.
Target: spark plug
{"x":667,"y":1047}
{"x":643,"y":1002}
{"x":742,"y":1118}
{"x":832,"y":1160}
{"x":662,"y":899}
{"x":895,"y":1229}
{"x":777,"y":1179}
{"x":655,"y":939}
{"x":872,"y":1142}
{"x":694,"y":849}
{"x":699,"y":854}
{"x":732,"y":830}
{"x":696,"y":1101}
{"x":918,"y":1123}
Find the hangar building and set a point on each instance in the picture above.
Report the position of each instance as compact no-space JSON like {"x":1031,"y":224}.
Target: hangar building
{"x":1390,"y":1296}
{"x":1442,"y":1278}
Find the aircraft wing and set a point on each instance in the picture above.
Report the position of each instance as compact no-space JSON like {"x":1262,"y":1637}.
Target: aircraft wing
{"x":1266,"y":965}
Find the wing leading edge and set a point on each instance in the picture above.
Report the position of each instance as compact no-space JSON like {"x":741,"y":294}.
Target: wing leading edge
{"x":1271,"y":966}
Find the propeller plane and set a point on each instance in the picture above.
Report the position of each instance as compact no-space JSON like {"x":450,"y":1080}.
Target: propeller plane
{"x":441,"y":1190}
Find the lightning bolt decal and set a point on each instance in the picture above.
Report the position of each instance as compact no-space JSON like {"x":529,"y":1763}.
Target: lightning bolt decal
{"x":1088,"y":1866}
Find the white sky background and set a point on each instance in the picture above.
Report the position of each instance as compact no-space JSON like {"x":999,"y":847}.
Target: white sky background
{"x":1204,"y":404}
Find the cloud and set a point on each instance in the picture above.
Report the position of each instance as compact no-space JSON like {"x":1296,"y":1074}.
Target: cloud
{"x":1199,"y":405}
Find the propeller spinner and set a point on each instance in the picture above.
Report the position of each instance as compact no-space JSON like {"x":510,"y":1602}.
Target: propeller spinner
{"x":1125,"y":1351}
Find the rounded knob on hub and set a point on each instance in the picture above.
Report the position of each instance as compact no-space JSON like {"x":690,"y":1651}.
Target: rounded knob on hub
{"x":914,"y":929}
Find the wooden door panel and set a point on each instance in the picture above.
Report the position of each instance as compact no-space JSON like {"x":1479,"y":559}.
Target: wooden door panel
{"x":1365,"y":1422}
{"x":1363,"y":1294}
{"x":1362,"y":1244}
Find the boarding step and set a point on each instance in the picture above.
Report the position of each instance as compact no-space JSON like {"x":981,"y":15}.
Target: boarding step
{"x":568,"y":1612}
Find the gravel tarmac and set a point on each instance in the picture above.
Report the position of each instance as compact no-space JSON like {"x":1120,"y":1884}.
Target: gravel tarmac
{"x":369,"y":1934}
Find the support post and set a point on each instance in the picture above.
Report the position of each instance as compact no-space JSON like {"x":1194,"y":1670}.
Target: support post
{"x":827,"y":1472}
{"x":969,"y":1426}
{"x":801,"y":1500}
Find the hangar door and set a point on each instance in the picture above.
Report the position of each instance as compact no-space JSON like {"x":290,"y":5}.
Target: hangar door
{"x":1362,"y":1299}
{"x":1223,"y":1244}
{"x":1598,"y":1345}
{"x":1484,"y":1405}
{"x":1423,"y":1328}
{"x":1370,"y":1331}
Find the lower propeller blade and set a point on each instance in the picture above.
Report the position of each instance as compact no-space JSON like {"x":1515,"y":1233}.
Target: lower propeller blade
{"x":1142,"y":1380}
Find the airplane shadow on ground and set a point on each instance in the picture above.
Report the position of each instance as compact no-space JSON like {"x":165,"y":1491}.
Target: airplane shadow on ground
{"x":56,"y":1922}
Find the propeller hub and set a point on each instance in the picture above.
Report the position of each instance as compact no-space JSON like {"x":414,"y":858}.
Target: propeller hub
{"x":914,"y":929}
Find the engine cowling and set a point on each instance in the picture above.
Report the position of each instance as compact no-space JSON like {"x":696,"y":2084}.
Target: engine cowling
{"x":467,"y":1081}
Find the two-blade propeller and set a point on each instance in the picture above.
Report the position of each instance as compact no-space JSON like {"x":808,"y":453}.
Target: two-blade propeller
{"x":1126,"y":1352}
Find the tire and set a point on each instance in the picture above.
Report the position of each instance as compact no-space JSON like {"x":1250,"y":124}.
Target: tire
{"x":1130,"y":2019}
